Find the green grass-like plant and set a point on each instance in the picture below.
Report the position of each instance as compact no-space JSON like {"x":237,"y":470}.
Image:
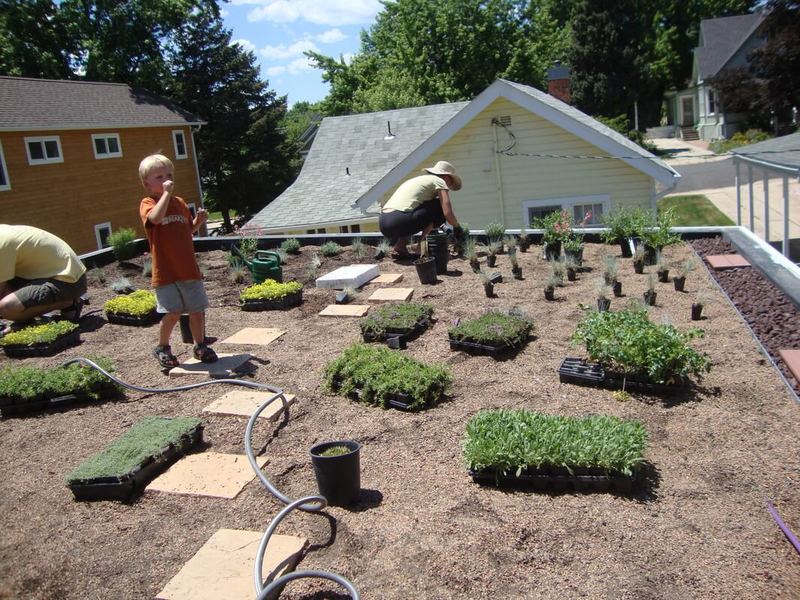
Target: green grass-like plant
{"x":394,"y":317}
{"x":628,"y":341}
{"x":146,"y":439}
{"x":330,"y":249}
{"x":495,"y":232}
{"x":510,"y":441}
{"x":139,"y":303}
{"x":291,"y":246}
{"x":493,"y":328}
{"x":270,"y":289}
{"x":123,"y":243}
{"x":38,"y":334}
{"x":28,"y":383}
{"x":379,"y":372}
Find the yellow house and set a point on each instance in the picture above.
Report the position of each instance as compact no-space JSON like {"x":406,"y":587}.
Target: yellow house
{"x":520,"y":152}
{"x":70,"y":153}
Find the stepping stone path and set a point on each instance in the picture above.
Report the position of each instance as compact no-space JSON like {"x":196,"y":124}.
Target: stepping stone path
{"x":223,"y":568}
{"x":391,"y":295}
{"x":388,"y":278}
{"x":353,"y":276}
{"x":345,"y":310}
{"x":224,"y":367}
{"x":257,"y":336}
{"x":207,"y":474}
{"x":243,"y":403}
{"x":720,"y":262}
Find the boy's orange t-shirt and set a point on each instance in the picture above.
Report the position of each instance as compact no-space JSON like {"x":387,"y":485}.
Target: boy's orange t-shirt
{"x":171,"y":243}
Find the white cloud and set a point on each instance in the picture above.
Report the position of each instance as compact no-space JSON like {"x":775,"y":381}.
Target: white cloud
{"x":299,"y":65}
{"x":273,"y":71}
{"x":223,"y":13}
{"x":331,"y":36}
{"x":245,"y":44}
{"x":319,"y":12}
{"x":285,"y":52}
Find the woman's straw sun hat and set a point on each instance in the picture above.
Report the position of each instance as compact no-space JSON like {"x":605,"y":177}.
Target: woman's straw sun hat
{"x":445,"y":168}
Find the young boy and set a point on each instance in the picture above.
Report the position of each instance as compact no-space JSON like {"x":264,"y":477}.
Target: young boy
{"x":176,"y":277}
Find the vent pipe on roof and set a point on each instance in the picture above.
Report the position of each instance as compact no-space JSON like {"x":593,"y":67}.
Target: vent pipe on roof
{"x":347,"y":170}
{"x":390,"y":135}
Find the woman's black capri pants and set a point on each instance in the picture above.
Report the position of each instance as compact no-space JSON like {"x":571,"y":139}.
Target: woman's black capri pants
{"x":396,"y":224}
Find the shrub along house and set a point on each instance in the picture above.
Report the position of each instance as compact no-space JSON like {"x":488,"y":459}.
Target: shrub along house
{"x":70,"y":153}
{"x":520,"y":152}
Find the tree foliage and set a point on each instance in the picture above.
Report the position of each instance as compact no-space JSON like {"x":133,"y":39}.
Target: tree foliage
{"x":34,"y":40}
{"x":777,"y":62}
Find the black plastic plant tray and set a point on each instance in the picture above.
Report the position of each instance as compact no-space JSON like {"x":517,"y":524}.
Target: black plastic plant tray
{"x":580,"y":372}
{"x":406,"y":334}
{"x":287,"y":301}
{"x":17,"y":406}
{"x":639,"y":383}
{"x":485,"y":349}
{"x":398,"y":401}
{"x":548,"y":480}
{"x":48,"y":349}
{"x":134,"y":320}
{"x":122,"y":488}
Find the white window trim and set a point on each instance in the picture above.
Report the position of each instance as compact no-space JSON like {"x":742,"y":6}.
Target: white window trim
{"x":106,"y":136}
{"x":567,"y":203}
{"x":43,"y":139}
{"x":4,"y":168}
{"x":97,"y":237}
{"x":175,"y":133}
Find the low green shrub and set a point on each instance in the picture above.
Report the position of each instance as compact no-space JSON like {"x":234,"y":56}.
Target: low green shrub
{"x":628,"y":341}
{"x":493,"y":327}
{"x":139,"y":303}
{"x":378,"y":373}
{"x":38,"y":334}
{"x":330,"y":249}
{"x":123,"y":243}
{"x":624,"y":223}
{"x":291,"y":246}
{"x":270,"y":290}
{"x":660,"y":235}
{"x":393,"y":317}
{"x":27,"y":383}
{"x":512,"y":440}
{"x":146,"y":439}
{"x":740,"y":138}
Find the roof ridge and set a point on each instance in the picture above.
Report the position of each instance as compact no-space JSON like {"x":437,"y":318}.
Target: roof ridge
{"x":69,"y":81}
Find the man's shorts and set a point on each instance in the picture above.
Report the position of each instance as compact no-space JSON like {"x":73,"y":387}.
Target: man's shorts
{"x":182,"y":297}
{"x":45,"y":292}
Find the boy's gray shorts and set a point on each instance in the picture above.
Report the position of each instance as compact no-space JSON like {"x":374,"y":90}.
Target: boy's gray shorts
{"x":182,"y":297}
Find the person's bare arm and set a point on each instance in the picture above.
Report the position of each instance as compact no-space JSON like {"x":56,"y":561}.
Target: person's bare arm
{"x":159,"y":211}
{"x":447,"y":208}
{"x":201,"y":216}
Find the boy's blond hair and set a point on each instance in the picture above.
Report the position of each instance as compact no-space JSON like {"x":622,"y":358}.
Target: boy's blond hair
{"x":152,"y":162}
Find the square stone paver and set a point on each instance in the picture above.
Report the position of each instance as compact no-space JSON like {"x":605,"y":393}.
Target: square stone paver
{"x":792,"y":360}
{"x":345,"y":310}
{"x":222,"y":368}
{"x":244,"y":403}
{"x":223,"y":568}
{"x":207,"y":474}
{"x":391,"y":295}
{"x":353,"y":276}
{"x":388,"y":278}
{"x":719,"y":262}
{"x":259,"y":336}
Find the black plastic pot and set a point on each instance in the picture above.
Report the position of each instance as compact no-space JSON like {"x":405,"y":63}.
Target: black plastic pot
{"x":650,"y":298}
{"x":134,"y":320}
{"x":491,"y":260}
{"x":488,"y":288}
{"x":549,"y":294}
{"x":650,"y":253}
{"x":523,"y":243}
{"x":426,"y":270}
{"x":576,"y":255}
{"x":552,"y":251}
{"x":663,"y":276}
{"x":617,"y":287}
{"x":697,"y":312}
{"x":603,"y":304}
{"x":679,"y":282}
{"x":437,"y":246}
{"x":571,"y":275}
{"x":638,"y":266}
{"x":516,"y":272}
{"x":625,"y":247}
{"x":476,"y":266}
{"x":338,"y":477}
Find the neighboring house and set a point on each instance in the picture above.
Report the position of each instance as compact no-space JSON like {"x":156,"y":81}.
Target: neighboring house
{"x":520,"y":152}
{"x":70,"y":153}
{"x":724,"y":43}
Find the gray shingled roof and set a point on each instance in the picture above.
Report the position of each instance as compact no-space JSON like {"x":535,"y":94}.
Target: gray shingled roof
{"x":783,"y":151}
{"x":45,"y":104}
{"x":348,"y":157}
{"x":721,"y":39}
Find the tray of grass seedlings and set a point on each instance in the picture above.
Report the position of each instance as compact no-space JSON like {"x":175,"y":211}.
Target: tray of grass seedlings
{"x":127,"y":465}
{"x":40,"y":340}
{"x":31,"y":389}
{"x":137,"y":309}
{"x":378,"y":376}
{"x":271,"y":295}
{"x":406,"y":320}
{"x":494,"y":333}
{"x":530,"y":450}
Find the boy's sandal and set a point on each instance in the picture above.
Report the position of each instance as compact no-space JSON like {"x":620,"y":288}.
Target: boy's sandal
{"x":165,"y":357}
{"x":204,"y":354}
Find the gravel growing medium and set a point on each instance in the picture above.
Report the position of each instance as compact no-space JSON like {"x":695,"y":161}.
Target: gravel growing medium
{"x":771,"y":314}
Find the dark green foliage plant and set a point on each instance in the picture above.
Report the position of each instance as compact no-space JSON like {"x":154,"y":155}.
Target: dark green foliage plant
{"x":510,"y":441}
{"x":28,"y":383}
{"x":139,"y":303}
{"x":395,"y":317}
{"x":557,"y":226}
{"x":378,"y":373}
{"x":291,"y":246}
{"x":123,"y":243}
{"x":330,"y":249}
{"x":493,"y":328}
{"x":627,"y":340}
{"x":38,"y":334}
{"x":144,"y":440}
{"x":660,"y":235}
{"x":624,"y":223}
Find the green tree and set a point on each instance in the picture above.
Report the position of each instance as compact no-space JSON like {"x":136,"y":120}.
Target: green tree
{"x":33,"y":40}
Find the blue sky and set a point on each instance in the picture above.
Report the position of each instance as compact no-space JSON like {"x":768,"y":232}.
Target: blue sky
{"x":279,"y":31}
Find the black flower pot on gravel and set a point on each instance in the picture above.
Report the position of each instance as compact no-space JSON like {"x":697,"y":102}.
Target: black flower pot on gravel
{"x":426,"y":270}
{"x":488,"y":289}
{"x":491,"y":260}
{"x":697,"y":312}
{"x":650,"y":298}
{"x":603,"y":304}
{"x":516,"y":272}
{"x":524,"y":243}
{"x":679,"y":282}
{"x":638,"y":266}
{"x":571,"y":274}
{"x":625,"y":247}
{"x":337,"y":468}
{"x":663,"y":276}
{"x":617,"y":287}
{"x":552,"y":251}
{"x":650,"y":255}
{"x":476,"y":266}
{"x":549,"y":293}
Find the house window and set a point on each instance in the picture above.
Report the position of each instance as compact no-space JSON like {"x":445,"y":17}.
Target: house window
{"x":101,"y":233}
{"x":321,"y":230}
{"x":343,"y":229}
{"x":712,"y":102}
{"x":106,"y":145}
{"x":309,"y":231}
{"x":577,"y":206}
{"x":538,"y":212}
{"x":594,"y":211}
{"x":355,"y":228}
{"x":43,"y":150}
{"x":5,"y":184}
{"x":179,"y":140}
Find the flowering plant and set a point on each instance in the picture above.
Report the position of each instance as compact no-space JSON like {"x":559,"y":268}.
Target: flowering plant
{"x":557,"y":226}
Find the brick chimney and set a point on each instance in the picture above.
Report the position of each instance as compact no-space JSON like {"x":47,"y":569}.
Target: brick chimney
{"x":558,"y":82}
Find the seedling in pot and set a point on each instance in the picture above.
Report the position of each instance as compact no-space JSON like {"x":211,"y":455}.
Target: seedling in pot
{"x":603,"y":295}
{"x":495,"y":233}
{"x":382,"y":249}
{"x":494,"y":249}
{"x":510,"y":242}
{"x":571,"y":266}
{"x":488,"y":284}
{"x":557,"y":272}
{"x":638,"y":259}
{"x":703,"y":299}
{"x":662,"y":268}
{"x":471,"y":252}
{"x":359,"y":248}
{"x":524,"y":243}
{"x":237,"y":272}
{"x":610,"y":269}
{"x":516,"y":270}
{"x":550,"y":287}
{"x":680,"y":280}
{"x":335,"y":451}
{"x":650,"y":292}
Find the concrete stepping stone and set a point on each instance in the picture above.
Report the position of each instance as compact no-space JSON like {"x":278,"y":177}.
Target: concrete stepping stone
{"x":720,"y":262}
{"x":388,"y":278}
{"x":345,"y":310}
{"x":391,"y":295}
{"x":353,"y":276}
{"x":207,"y":474}
{"x":792,"y":360}
{"x":243,"y":403}
{"x":224,"y":367}
{"x":257,"y":336}
{"x":223,"y":568}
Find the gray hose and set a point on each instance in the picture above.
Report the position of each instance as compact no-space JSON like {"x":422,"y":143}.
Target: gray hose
{"x":307,"y":503}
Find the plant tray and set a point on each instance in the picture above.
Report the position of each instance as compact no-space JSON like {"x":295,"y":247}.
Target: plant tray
{"x":287,"y":301}
{"x":580,"y":372}
{"x":10,"y":406}
{"x":485,"y":349}
{"x":46,"y":349}
{"x":557,"y":480}
{"x":398,"y":401}
{"x":122,"y":488}
{"x":406,"y":334}
{"x":134,"y":320}
{"x":615,"y":381}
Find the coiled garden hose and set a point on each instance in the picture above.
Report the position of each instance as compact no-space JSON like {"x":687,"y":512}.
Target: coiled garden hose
{"x":306,"y":503}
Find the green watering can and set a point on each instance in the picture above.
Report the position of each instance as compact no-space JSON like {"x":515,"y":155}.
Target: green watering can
{"x":265,"y":265}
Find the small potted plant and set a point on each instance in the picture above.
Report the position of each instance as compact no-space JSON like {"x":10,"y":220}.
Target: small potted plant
{"x":382,"y":249}
{"x":550,"y":287}
{"x":337,"y":469}
{"x":603,"y":296}
{"x":638,"y":259}
{"x":571,"y":268}
{"x":488,"y":283}
{"x":494,"y":248}
{"x":524,"y":243}
{"x":516,"y":270}
{"x":703,"y":299}
{"x":123,"y":243}
{"x":573,"y":247}
{"x":650,"y":292}
{"x":511,"y":243}
{"x":495,"y":233}
{"x":40,"y":340}
{"x":556,"y":226}
{"x":662,"y":268}
{"x":557,"y":271}
{"x":610,"y":269}
{"x":471,"y":253}
{"x":680,"y":281}
{"x":271,"y":295}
